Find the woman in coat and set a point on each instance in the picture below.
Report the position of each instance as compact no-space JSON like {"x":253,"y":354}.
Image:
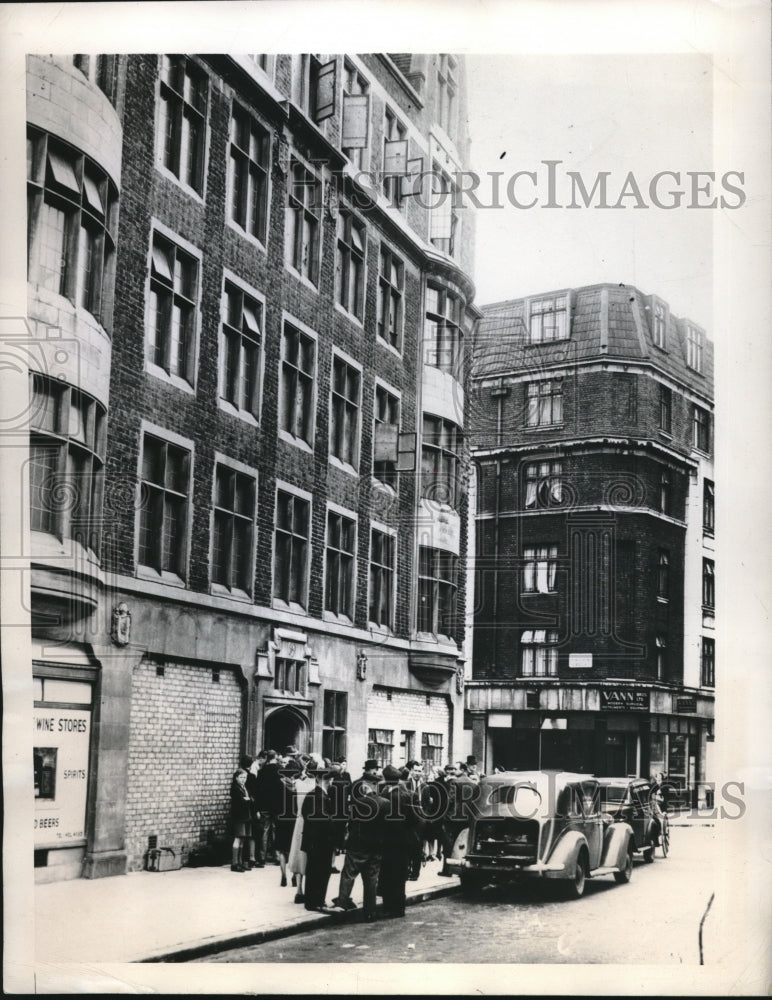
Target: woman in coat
{"x":296,"y":860}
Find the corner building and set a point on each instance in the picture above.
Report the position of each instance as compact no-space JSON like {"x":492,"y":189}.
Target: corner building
{"x":250,"y":293}
{"x":591,"y":429}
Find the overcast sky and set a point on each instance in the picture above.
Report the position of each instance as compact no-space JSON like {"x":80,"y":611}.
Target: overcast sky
{"x":616,"y":113}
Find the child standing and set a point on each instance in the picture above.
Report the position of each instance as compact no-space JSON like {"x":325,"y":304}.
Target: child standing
{"x":241,"y":818}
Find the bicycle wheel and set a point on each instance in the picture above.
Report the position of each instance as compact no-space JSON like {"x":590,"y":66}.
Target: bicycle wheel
{"x":664,"y":840}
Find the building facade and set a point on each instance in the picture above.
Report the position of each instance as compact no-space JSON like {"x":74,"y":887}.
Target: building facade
{"x":591,"y":429}
{"x":248,"y":516}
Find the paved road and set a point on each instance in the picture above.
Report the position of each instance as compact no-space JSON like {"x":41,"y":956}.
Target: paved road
{"x":654,"y":919}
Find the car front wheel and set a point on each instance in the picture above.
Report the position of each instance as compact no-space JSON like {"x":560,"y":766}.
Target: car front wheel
{"x":626,"y":874}
{"x":576,"y":884}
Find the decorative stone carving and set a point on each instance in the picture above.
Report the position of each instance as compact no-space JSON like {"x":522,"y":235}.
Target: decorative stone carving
{"x":121,"y":631}
{"x":361,"y":666}
{"x":460,"y":680}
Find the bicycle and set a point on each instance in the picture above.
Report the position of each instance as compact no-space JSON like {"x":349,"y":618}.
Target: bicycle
{"x":664,"y":836}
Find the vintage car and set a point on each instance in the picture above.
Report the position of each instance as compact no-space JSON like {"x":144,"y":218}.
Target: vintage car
{"x":628,"y":800}
{"x":541,"y":825}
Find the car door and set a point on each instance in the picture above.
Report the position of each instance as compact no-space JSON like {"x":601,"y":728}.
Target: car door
{"x":589,"y":802}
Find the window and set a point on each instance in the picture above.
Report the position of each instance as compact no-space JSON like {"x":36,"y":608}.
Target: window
{"x":447,"y":89}
{"x":101,"y":70}
{"x":548,"y":319}
{"x":664,"y":493}
{"x":234,"y":519}
{"x":708,"y":507}
{"x":391,"y":283}
{"x":171,"y":329}
{"x":382,"y":565}
{"x":250,"y":157}
{"x":313,"y":86}
{"x":665,"y":409}
{"x":386,"y":412}
{"x":289,"y":676}
{"x":241,"y":349}
{"x":701,"y":429}
{"x":344,"y":417}
{"x":695,"y":344}
{"x":543,"y":484}
{"x":182,"y":121}
{"x":380,"y":745}
{"x":67,"y":447}
{"x":431,"y":748}
{"x":163,"y":527}
{"x":304,"y":213}
{"x":545,"y":403}
{"x":539,"y":653}
{"x":293,"y":532}
{"x":660,"y":644}
{"x":540,"y":569}
{"x":264,"y":62}
{"x":708,"y":585}
{"x":394,"y":158}
{"x":340,"y":561}
{"x":355,"y":128}
{"x":708,"y":662}
{"x":437,"y":589}
{"x":659,"y":324}
{"x":334,"y":722}
{"x":297,"y":383}
{"x":445,"y":217}
{"x":350,"y":264}
{"x":72,"y":208}
{"x":443,"y":332}
{"x":441,"y":460}
{"x":663,"y":575}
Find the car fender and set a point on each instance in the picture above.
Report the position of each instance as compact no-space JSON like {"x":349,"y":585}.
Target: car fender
{"x":455,"y":859}
{"x":616,"y":845}
{"x":565,"y":852}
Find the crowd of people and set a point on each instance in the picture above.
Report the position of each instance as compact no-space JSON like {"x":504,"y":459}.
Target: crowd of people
{"x":304,"y":813}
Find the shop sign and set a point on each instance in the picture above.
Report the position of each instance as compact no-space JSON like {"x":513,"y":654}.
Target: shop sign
{"x":580,"y":661}
{"x":60,"y":756}
{"x":685,"y":705}
{"x":624,"y":700}
{"x":499,"y":720}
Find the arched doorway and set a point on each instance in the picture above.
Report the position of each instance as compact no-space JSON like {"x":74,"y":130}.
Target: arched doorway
{"x":286,"y":726}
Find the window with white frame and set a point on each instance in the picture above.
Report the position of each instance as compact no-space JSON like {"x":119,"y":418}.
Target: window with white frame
{"x":540,"y":567}
{"x":72,"y":210}
{"x":548,"y":319}
{"x":380,"y":745}
{"x":355,"y":127}
{"x":447,"y":91}
{"x":708,"y":584}
{"x":172,"y":316}
{"x":242,"y":339}
{"x":234,"y":520}
{"x":539,"y":653}
{"x":659,"y":324}
{"x":304,"y":222}
{"x":344,"y":411}
{"x":701,"y":428}
{"x":437,"y":591}
{"x":543,"y":484}
{"x":340,"y":558}
{"x":250,"y":159}
{"x":350,"y":264}
{"x":443,"y":332}
{"x":391,"y":285}
{"x":431,"y":748}
{"x":441,"y":460}
{"x":298,"y":366}
{"x":708,"y":662}
{"x":386,"y":415}
{"x":544,"y":402}
{"x":695,"y":347}
{"x":708,"y":507}
{"x":394,"y":158}
{"x":291,"y":548}
{"x":382,"y":569}
{"x":182,"y":120}
{"x":67,"y":448}
{"x":163,"y":517}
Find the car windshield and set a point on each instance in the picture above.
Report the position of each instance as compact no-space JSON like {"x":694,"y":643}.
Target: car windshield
{"x":523,"y":798}
{"x":613,"y":795}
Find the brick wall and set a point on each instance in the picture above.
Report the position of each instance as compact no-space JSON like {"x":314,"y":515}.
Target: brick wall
{"x":184,"y":744}
{"x":400,"y":710}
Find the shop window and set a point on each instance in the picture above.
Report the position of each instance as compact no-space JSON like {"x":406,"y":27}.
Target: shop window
{"x":249,"y":172}
{"x":241,"y":349}
{"x":340,"y":557}
{"x":544,"y":402}
{"x":391,"y":282}
{"x":67,"y":447}
{"x":441,"y":461}
{"x":431,"y":748}
{"x":344,"y":412}
{"x":540,"y":569}
{"x":292,"y":542}
{"x":72,"y":209}
{"x":539,"y":653}
{"x":543,"y":484}
{"x":163,"y":523}
{"x":437,"y":591}
{"x":298,"y":367}
{"x":380,"y":745}
{"x":382,"y":577}
{"x":182,"y":120}
{"x":234,"y":520}
{"x":334,"y":725}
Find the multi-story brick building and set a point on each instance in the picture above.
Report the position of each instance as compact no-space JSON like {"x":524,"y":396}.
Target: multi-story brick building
{"x":251,"y":291}
{"x":590,"y":426}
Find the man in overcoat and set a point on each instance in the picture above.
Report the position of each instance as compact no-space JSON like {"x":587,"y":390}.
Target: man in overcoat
{"x":321,"y":834}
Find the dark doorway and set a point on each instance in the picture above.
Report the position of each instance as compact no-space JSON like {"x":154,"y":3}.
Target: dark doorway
{"x":286,"y":727}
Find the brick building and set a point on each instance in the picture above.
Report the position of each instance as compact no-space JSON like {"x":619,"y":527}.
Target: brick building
{"x":590,"y":427}
{"x":251,"y":292}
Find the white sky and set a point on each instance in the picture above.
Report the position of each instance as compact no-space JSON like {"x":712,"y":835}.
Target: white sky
{"x":599,"y":112}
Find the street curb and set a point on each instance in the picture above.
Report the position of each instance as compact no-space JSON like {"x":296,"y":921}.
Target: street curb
{"x":249,"y":938}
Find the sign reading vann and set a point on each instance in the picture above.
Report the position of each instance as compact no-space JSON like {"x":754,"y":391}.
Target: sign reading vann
{"x":624,"y":700}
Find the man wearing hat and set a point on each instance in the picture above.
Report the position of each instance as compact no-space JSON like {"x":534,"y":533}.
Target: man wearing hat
{"x":403,"y":838}
{"x":364,"y":847}
{"x":370,"y":777}
{"x":321,"y":830}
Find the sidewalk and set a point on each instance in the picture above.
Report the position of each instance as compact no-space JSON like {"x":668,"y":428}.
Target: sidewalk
{"x":175,"y":916}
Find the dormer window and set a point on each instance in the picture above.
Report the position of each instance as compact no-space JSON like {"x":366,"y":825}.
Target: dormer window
{"x":548,"y":319}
